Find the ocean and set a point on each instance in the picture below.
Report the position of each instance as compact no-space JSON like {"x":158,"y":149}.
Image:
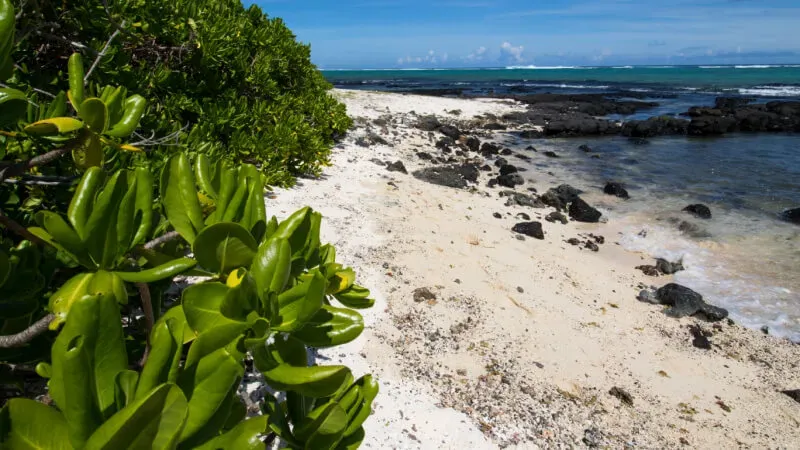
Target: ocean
{"x":745,"y":258}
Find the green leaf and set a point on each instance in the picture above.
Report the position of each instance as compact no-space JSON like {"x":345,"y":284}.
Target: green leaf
{"x":330,"y":327}
{"x":224,"y":246}
{"x":154,"y":422}
{"x":83,"y":199}
{"x":5,"y":267}
{"x":176,"y":313}
{"x":144,"y":205}
{"x":202,"y":304}
{"x":323,"y":428}
{"x":95,"y":114}
{"x":213,"y":369}
{"x":355,"y":297}
{"x":271,"y":267}
{"x":101,"y":227}
{"x":64,"y":298}
{"x":163,"y":362}
{"x":179,"y":197}
{"x":76,"y":83}
{"x":7,"y":25}
{"x":56,"y":125}
{"x":245,"y":436}
{"x":353,"y":441}
{"x":205,"y":176}
{"x":87,"y":356}
{"x":28,"y":424}
{"x":297,"y":305}
{"x":126,"y":388}
{"x":89,"y":153}
{"x":162,"y":272}
{"x":65,"y":235}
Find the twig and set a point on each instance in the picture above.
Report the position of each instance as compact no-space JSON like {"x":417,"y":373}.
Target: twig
{"x":19,"y":230}
{"x":172,"y":235}
{"x":101,"y":54}
{"x":26,"y":335}
{"x":166,"y":141}
{"x":147,"y":307}
{"x":46,"y":158}
{"x":114,"y":22}
{"x":42,"y":181}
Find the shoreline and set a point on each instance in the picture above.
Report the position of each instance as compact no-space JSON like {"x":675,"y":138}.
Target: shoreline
{"x":519,"y":343}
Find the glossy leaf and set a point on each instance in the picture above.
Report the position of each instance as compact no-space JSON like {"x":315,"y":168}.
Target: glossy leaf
{"x":83,"y":200}
{"x":89,"y":153}
{"x":154,"y":422}
{"x":56,"y":125}
{"x":331,"y":326}
{"x":224,"y":246}
{"x":94,"y":114}
{"x":271,"y":267}
{"x":355,"y":297}
{"x":28,"y":424}
{"x":323,"y":428}
{"x":179,"y":197}
{"x":202,"y":304}
{"x":13,"y":105}
{"x":163,"y":362}
{"x":7,"y":25}
{"x":245,"y":436}
{"x":101,"y":230}
{"x":298,"y":304}
{"x":158,"y":273}
{"x":76,"y":83}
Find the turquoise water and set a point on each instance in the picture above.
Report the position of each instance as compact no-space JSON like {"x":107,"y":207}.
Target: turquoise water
{"x":756,"y":80}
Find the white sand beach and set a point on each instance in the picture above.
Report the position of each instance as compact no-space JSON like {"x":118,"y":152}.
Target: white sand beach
{"x":522,"y":341}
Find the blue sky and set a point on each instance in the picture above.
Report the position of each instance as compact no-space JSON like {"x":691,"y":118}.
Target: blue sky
{"x":480,"y":33}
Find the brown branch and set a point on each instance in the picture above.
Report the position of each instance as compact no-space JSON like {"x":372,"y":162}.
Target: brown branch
{"x":19,"y":230}
{"x":172,"y":235}
{"x":46,"y":158}
{"x":27,"y":335}
{"x":149,"y":318}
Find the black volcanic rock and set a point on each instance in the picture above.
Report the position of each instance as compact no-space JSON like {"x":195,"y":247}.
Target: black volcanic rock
{"x":473,"y":144}
{"x":511,"y":180}
{"x":655,"y":126}
{"x":582,"y":212}
{"x":532,"y":229}
{"x":616,"y":189}
{"x":791,"y":215}
{"x":506,"y":169}
{"x":397,"y":166}
{"x":450,"y":131}
{"x":698,"y":210}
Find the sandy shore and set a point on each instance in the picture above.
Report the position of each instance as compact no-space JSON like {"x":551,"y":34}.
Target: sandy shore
{"x":525,"y":340}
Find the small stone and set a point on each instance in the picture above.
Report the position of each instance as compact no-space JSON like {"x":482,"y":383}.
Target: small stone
{"x":551,"y":154}
{"x":556,"y":216}
{"x":699,"y":210}
{"x":497,"y":215}
{"x":622,"y":395}
{"x":423,"y":294}
{"x":532,"y":229}
{"x":523,"y":216}
{"x":520,"y":290}
{"x":397,"y":166}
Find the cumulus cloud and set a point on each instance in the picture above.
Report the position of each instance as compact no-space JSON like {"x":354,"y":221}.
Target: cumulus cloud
{"x":477,"y":55}
{"x":431,"y":57}
{"x":510,"y":53}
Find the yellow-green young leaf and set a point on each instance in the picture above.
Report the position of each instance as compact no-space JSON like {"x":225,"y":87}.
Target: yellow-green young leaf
{"x":56,"y":125}
{"x":355,"y":297}
{"x":224,"y":246}
{"x":89,"y":153}
{"x":62,"y":300}
{"x":330,"y":327}
{"x":341,"y":281}
{"x":358,"y":414}
{"x":153,"y":422}
{"x":179,"y":197}
{"x":244,"y":436}
{"x":28,"y":424}
{"x":76,"y":75}
{"x":95,"y":114}
{"x":167,"y":270}
{"x":133,"y":111}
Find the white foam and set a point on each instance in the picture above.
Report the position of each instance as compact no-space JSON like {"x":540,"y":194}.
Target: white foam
{"x":713,"y":67}
{"x":555,"y":85}
{"x":545,"y":67}
{"x":756,"y":66}
{"x":772,"y":91}
{"x":622,"y":67}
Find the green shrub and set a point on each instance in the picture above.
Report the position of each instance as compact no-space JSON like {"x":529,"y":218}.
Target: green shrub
{"x":235,"y":81}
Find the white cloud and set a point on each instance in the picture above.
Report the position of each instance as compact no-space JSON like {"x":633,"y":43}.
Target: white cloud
{"x":477,"y":55}
{"x":511,"y":53}
{"x":429,"y":58}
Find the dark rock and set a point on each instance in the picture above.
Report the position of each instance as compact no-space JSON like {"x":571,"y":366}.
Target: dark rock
{"x":531,"y":134}
{"x":655,"y":126}
{"x":506,"y":169}
{"x":531,"y":148}
{"x":486,"y":168}
{"x":520,"y":199}
{"x":380,"y":122}
{"x":424,"y":156}
{"x":560,"y":197}
{"x":428,"y":123}
{"x":591,"y":246}
{"x":370,"y":139}
{"x":497,"y":215}
{"x":793,"y":394}
{"x":686,"y":302}
{"x":592,"y":438}
{"x":551,"y":154}
{"x":791,"y":215}
{"x":712,"y":125}
{"x":556,"y":216}
{"x":506,"y":152}
{"x":450,"y":176}
{"x":650,"y":271}
{"x":622,"y":395}
{"x":494,"y":126}
{"x":585,"y":148}
{"x":397,"y":166}
{"x":378,"y":162}
{"x":522,"y":157}
{"x":581,"y":211}
{"x":730,"y":103}
{"x":499,"y":162}
{"x":574,"y":241}
{"x":488,"y":149}
{"x":423,"y":294}
{"x":616,"y":189}
{"x":523,"y":216}
{"x":511,"y":180}
{"x":491,"y":183}
{"x":532,"y":229}
{"x":699,"y":338}
{"x":445,"y":142}
{"x":450,"y":131}
{"x":473,"y":144}
{"x":668,"y":268}
{"x":638,"y":141}
{"x":699,"y":210}
{"x":577,"y":125}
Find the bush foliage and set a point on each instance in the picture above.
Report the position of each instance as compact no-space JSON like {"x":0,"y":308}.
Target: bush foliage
{"x":235,"y":81}
{"x":94,"y":231}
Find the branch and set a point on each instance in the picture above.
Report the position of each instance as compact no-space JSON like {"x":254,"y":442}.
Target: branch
{"x":172,"y":235}
{"x":101,"y":54}
{"x":42,"y":181}
{"x":16,"y":169}
{"x":147,"y":307}
{"x":27,"y":335}
{"x":20,"y":231}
